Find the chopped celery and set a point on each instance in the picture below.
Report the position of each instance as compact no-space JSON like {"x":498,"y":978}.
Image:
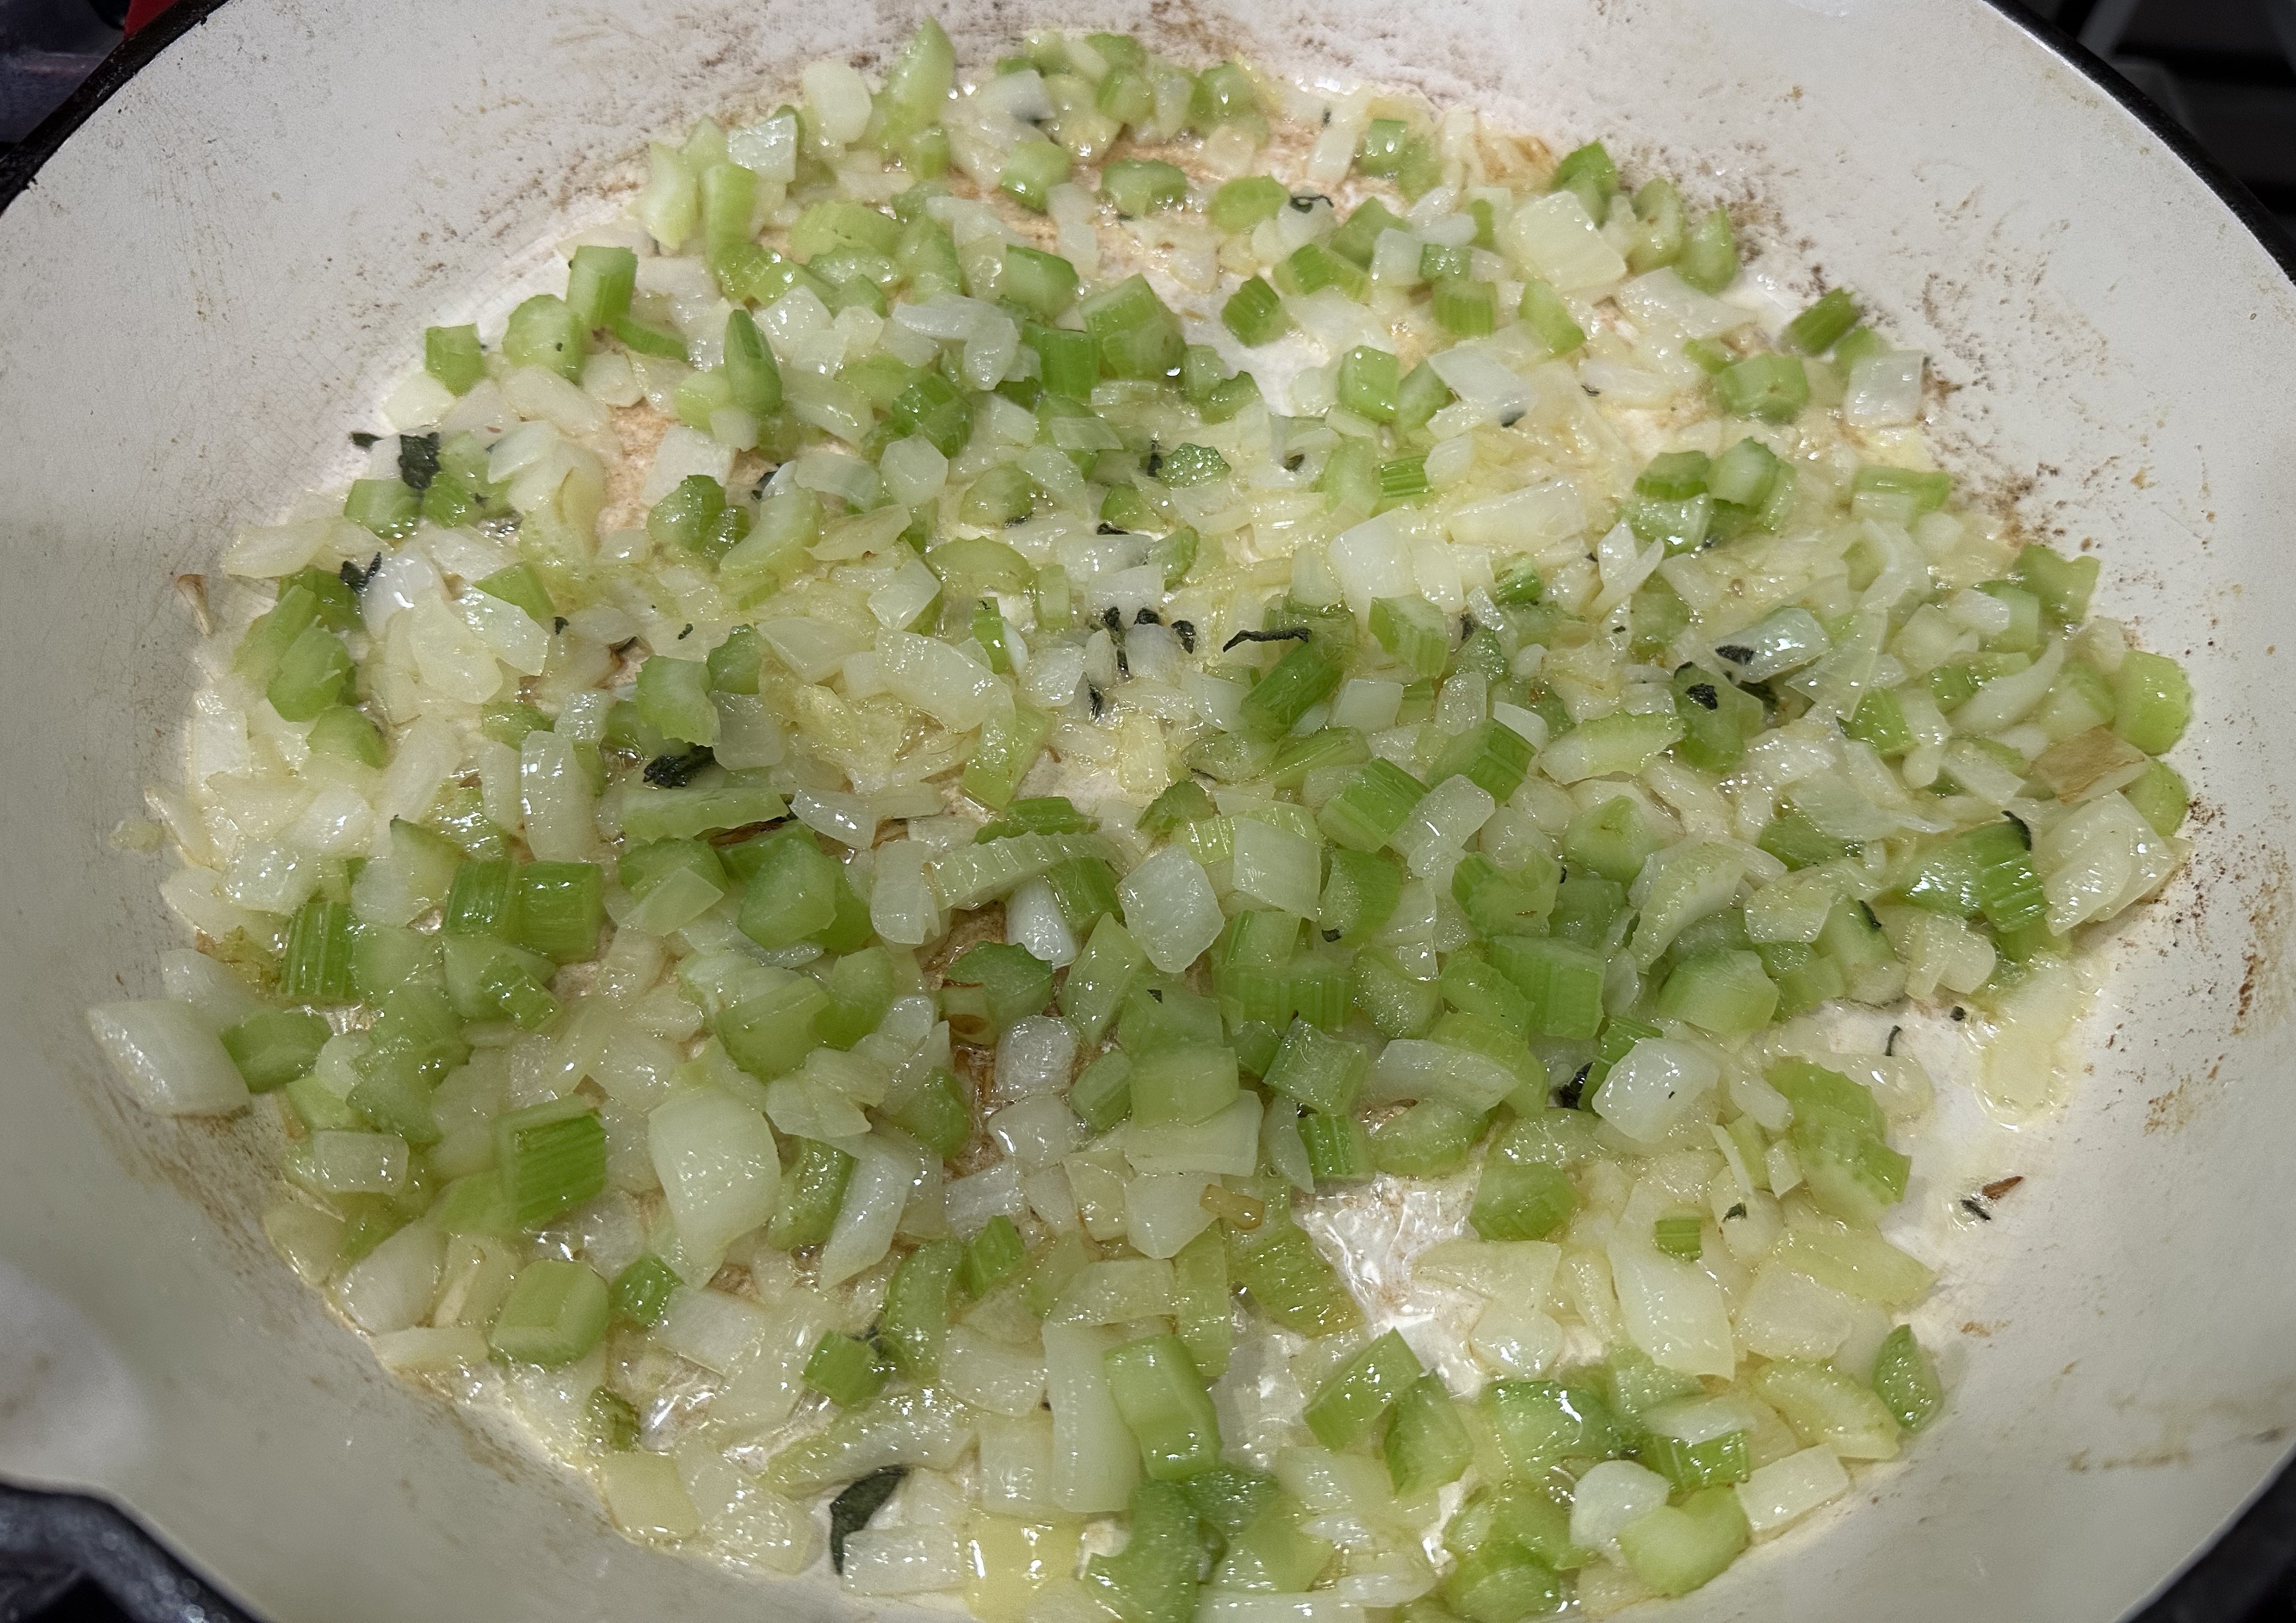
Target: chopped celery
{"x":561,"y":907}
{"x":1427,"y":1443}
{"x":552,"y":1157}
{"x":1466,"y":307}
{"x":1774,"y":387}
{"x":1339,"y":1149}
{"x":813,"y":1186}
{"x":1320,"y":1072}
{"x":1101,"y":978}
{"x":1614,"y":840}
{"x":1415,"y":631}
{"x":1041,"y":284}
{"x":1153,"y":1580}
{"x":1712,"y":1463}
{"x":1313,"y":267}
{"x":1303,"y":678}
{"x":1162,"y":1399}
{"x":317,"y":965}
{"x":1360,"y":893}
{"x":1501,"y":1582}
{"x":1905,"y":1380}
{"x":1542,"y":309}
{"x":1242,"y":203}
{"x":1371,"y":805}
{"x":545,"y":331}
{"x":556,"y":1313}
{"x":750,"y":369}
{"x":1368,"y":381}
{"x":272,"y":1047}
{"x":1141,"y":185}
{"x":1680,"y":1237}
{"x":2160,"y":796}
{"x":1203,"y":1311}
{"x":1724,"y":992}
{"x":599,"y":283}
{"x":1290,"y":1281}
{"x":1676,"y":1548}
{"x":1255,"y":313}
{"x":1356,"y":1394}
{"x":993,"y":1256}
{"x":642,"y":1291}
{"x":1563,"y":980}
{"x":1519,"y":1201}
{"x":1491,"y":755}
{"x":918,"y":1305}
{"x":1709,"y":254}
{"x":1817,"y":329}
{"x":1356,"y":239}
{"x":1541,"y":1423}
{"x":991,"y":986}
{"x":1009,"y":746}
{"x":1431,"y":1139}
{"x":2063,"y":584}
{"x":452,"y":355}
{"x":790,"y":895}
{"x":2155,"y":701}
{"x":844,"y":1369}
{"x":1588,"y":172}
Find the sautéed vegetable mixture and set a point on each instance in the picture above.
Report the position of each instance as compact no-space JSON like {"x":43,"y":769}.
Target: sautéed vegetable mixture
{"x":882,"y":811}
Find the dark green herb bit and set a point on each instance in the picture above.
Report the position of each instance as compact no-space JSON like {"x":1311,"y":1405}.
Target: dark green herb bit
{"x":851,"y":1510}
{"x":418,"y":459}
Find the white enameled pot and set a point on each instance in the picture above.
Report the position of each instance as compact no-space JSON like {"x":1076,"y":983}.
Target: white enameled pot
{"x":221,"y":271}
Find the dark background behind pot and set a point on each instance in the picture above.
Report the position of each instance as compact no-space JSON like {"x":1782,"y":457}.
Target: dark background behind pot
{"x":2226,"y":70}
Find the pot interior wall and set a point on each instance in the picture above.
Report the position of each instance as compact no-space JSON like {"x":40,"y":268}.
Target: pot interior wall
{"x":217,"y":276}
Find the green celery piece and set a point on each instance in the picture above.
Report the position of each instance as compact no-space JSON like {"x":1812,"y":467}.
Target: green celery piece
{"x":556,"y":1313}
{"x":993,"y":1256}
{"x":1321,"y":1073}
{"x":272,"y":1047}
{"x":1291,"y":1282}
{"x":1676,"y":1548}
{"x":812,"y":1188}
{"x":1715,"y":1462}
{"x":1516,"y":1202}
{"x":642,"y":1291}
{"x":1153,"y":1579}
{"x":452,"y":355}
{"x":1724,"y":992}
{"x":990,"y":986}
{"x":1490,"y":754}
{"x":1182,"y":1085}
{"x":551,"y":1158}
{"x":791,"y":896}
{"x":1563,"y":980}
{"x":1501,"y":1582}
{"x":919,"y":1303}
{"x":1204,"y":1312}
{"x":1339,"y":1150}
{"x":1427,"y":1443}
{"x":1431,"y":1138}
{"x":1361,"y":1390}
{"x":1541,"y":1423}
{"x":1162,"y":1399}
{"x":1360,"y":894}
{"x":1906,"y":1380}
{"x":845,"y":1369}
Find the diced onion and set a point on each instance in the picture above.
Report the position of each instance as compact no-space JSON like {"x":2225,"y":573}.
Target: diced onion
{"x":169,"y":1058}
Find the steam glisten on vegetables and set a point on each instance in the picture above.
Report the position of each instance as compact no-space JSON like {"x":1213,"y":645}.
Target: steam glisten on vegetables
{"x":830,"y":871}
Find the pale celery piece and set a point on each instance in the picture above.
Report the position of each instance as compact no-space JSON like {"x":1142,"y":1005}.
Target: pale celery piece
{"x":1030,"y":686}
